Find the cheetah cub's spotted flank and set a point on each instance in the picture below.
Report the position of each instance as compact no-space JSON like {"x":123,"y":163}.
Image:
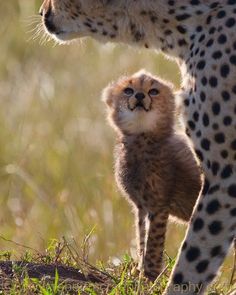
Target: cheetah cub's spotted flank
{"x":154,"y":164}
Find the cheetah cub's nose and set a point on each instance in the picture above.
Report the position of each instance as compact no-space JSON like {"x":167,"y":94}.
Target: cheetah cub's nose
{"x":140,"y":96}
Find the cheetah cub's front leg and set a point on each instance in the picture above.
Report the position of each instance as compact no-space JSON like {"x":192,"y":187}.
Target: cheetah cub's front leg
{"x":155,"y":167}
{"x":150,"y":235}
{"x":141,"y":221}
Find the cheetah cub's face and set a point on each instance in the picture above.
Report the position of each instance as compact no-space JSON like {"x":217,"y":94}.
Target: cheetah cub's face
{"x":140,"y":103}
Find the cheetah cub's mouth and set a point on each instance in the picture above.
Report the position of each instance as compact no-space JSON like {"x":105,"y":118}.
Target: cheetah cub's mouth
{"x":139,"y":106}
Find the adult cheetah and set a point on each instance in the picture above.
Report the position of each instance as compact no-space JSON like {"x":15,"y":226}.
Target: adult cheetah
{"x":200,"y":34}
{"x":155,"y":167}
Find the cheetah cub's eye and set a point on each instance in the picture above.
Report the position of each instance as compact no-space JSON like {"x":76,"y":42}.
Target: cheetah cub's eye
{"x":153,"y":92}
{"x":128,"y":91}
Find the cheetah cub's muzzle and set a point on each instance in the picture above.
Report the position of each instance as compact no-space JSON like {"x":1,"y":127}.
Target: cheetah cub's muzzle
{"x":139,"y":101}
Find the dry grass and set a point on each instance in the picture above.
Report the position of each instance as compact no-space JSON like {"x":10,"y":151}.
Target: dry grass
{"x":63,"y":269}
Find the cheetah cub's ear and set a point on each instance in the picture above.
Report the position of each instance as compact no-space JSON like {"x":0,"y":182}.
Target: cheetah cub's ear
{"x":107,"y":95}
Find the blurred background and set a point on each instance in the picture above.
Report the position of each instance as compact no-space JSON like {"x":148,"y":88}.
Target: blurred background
{"x":56,"y":148}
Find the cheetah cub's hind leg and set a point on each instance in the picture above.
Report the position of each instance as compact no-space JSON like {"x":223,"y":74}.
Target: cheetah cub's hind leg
{"x":154,"y":165}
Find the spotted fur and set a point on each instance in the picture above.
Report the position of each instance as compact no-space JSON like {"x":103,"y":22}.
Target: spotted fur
{"x":200,"y":34}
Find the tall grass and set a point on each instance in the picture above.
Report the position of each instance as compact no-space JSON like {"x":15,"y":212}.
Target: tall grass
{"x":56,"y":171}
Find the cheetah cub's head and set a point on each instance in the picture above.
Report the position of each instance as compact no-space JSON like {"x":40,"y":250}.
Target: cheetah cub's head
{"x":139,"y":104}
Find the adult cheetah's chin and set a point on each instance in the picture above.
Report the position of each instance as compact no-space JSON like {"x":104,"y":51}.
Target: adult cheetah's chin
{"x":64,"y":37}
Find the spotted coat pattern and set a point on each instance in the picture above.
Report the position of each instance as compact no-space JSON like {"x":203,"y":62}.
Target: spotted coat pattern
{"x":200,"y":34}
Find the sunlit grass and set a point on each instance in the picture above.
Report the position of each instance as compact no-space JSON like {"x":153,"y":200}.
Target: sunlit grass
{"x":56,"y":148}
{"x":121,"y":278}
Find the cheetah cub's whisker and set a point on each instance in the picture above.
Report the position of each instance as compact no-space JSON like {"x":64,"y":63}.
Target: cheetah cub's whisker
{"x":155,"y":167}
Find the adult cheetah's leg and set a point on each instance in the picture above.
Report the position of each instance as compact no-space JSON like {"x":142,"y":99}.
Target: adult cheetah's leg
{"x":208,"y":238}
{"x":155,"y":243}
{"x":141,"y":234}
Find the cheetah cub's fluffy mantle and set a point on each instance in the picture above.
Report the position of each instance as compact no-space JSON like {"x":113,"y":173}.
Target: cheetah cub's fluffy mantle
{"x":154,"y":165}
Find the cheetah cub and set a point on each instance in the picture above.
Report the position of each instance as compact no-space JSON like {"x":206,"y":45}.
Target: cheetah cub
{"x":154,"y":165}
